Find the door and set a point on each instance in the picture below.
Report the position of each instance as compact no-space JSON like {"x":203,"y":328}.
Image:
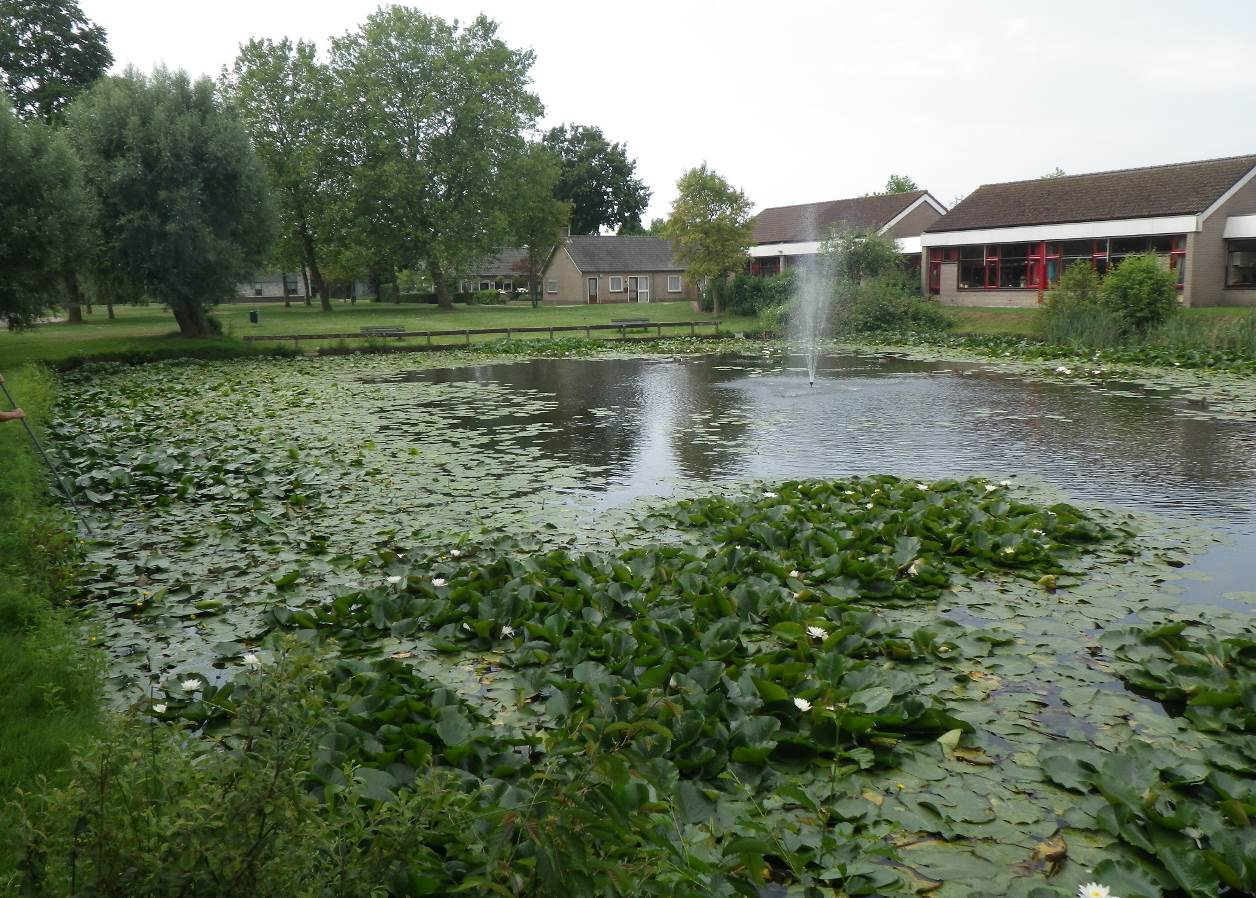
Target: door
{"x":632,"y":289}
{"x":643,"y":289}
{"x":592,"y":290}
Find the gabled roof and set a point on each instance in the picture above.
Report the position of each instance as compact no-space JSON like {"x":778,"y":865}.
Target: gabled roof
{"x":1186,"y":188}
{"x":816,"y":221}
{"x":618,"y":252}
{"x":511,"y":260}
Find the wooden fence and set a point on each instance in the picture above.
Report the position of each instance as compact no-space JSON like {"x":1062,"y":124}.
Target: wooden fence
{"x":467,"y":333}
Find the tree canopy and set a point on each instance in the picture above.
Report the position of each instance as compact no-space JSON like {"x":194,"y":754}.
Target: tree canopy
{"x":900,"y":184}
{"x":537,"y":218}
{"x":432,"y":117}
{"x":856,"y":255}
{"x":598,"y":180}
{"x":710,"y":224}
{"x":43,"y":217}
{"x":1056,"y":172}
{"x":286,"y":99}
{"x":184,"y":209}
{"x":49,"y":52}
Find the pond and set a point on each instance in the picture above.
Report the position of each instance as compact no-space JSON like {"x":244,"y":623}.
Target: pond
{"x":224,"y":490}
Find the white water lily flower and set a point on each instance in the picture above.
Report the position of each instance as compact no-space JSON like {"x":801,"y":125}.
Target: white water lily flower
{"x":1037,"y":532}
{"x":795,"y":574}
{"x":190,"y":685}
{"x":802,"y":704}
{"x":817,"y":632}
{"x":922,"y":486}
{"x":1094,"y":890}
{"x":1009,"y":551}
{"x":455,"y":553}
{"x":251,"y":660}
{"x":438,"y":582}
{"x":769,"y":495}
{"x":914,"y":569}
{"x":990,"y":487}
{"x":1098,"y":372}
{"x":159,"y":709}
{"x":1062,"y":370}
{"x":869,"y":506}
{"x":394,"y":579}
{"x":508,"y":632}
{"x":1005,"y":483}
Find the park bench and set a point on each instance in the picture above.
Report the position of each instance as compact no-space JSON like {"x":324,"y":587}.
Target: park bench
{"x":626,"y":323}
{"x":387,"y":331}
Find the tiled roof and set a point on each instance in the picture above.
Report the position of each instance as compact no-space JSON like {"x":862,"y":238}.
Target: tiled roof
{"x":622,"y":253}
{"x":816,"y":221}
{"x":1185,"y":188}
{"x":511,"y":260}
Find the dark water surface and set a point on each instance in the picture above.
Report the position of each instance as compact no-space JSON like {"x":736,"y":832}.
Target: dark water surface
{"x":647,"y":425}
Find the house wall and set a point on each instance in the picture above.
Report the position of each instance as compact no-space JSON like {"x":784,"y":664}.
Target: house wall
{"x":1206,"y":256}
{"x":572,"y":288}
{"x":570,"y":282}
{"x":915,"y":222}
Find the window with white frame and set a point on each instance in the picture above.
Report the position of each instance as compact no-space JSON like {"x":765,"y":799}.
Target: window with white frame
{"x":486,"y":284}
{"x":508,"y":285}
{"x":617,"y":284}
{"x":673,"y":283}
{"x":551,"y":286}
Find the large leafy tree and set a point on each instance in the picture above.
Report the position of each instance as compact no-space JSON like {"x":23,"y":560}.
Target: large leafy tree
{"x":900,"y":184}
{"x":284,"y":96}
{"x":431,"y":119}
{"x":537,"y":218}
{"x":43,"y":218}
{"x":49,"y":52}
{"x":710,"y":225}
{"x":598,"y":180}
{"x":184,"y":210}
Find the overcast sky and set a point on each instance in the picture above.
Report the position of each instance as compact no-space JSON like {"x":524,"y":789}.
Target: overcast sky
{"x":797,"y":101}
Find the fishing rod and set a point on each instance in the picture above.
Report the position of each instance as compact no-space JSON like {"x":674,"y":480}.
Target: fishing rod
{"x":56,"y":475}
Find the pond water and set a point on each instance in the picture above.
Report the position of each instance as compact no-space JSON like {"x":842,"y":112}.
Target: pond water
{"x":644,"y":427}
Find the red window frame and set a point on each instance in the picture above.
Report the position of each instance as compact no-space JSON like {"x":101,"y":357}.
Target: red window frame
{"x":992,"y":267}
{"x":1177,"y":259}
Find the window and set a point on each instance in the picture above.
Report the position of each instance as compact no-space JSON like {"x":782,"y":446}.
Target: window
{"x":1240,"y":263}
{"x":673,"y":283}
{"x":257,"y":289}
{"x":972,"y":267}
{"x":1013,"y":265}
{"x":508,"y":285}
{"x":486,"y":284}
{"x":551,"y":286}
{"x":1177,"y":258}
{"x":617,"y":284}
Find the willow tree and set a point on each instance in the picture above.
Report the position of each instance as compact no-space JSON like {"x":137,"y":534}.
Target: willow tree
{"x":430,"y":123}
{"x":183,"y":208}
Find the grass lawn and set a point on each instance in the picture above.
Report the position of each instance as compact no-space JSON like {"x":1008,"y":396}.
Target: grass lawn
{"x":153,"y":327}
{"x":1021,"y":322}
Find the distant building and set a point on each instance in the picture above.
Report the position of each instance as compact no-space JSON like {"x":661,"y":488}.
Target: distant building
{"x":272,"y":287}
{"x":615,"y":268}
{"x":785,"y":234}
{"x":506,"y":272}
{"x":1006,"y":244}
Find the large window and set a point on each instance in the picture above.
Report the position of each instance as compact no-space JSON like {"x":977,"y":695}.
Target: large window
{"x":1240,"y":263}
{"x":1034,"y":266}
{"x":972,"y":267}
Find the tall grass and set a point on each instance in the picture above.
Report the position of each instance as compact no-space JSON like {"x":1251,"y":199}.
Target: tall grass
{"x":1088,"y":326}
{"x":50,"y":695}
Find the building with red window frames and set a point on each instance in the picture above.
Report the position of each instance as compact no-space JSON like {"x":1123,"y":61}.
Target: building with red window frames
{"x":1006,"y":244}
{"x":783,"y":235}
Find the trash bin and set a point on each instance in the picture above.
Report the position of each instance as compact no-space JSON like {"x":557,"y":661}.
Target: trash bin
{"x":254,"y":317}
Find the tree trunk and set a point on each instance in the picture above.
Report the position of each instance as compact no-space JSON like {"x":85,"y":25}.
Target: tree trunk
{"x":305,"y":279}
{"x":109,"y":306}
{"x":442,"y":289}
{"x":193,"y":322}
{"x":715,"y":297}
{"x":74,"y":313}
{"x":316,"y":276}
{"x":74,"y":296}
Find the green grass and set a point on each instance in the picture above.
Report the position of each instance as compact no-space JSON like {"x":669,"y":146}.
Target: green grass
{"x":151,"y":329}
{"x":51,"y":696}
{"x":1023,"y":322}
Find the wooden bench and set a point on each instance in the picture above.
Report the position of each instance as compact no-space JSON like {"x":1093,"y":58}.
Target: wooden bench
{"x":388,"y":331}
{"x":626,"y":323}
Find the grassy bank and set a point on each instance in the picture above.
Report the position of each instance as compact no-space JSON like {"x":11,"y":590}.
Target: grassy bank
{"x":50,"y":699}
{"x":149,"y":331}
{"x":1023,"y":322}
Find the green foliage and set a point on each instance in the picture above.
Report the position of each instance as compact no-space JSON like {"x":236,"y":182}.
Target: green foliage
{"x":431,"y":117}
{"x":1056,"y":172}
{"x":852,"y":255}
{"x":1141,"y":291}
{"x":597,"y":179}
{"x":49,"y":51}
{"x":43,"y":218}
{"x":887,"y":303}
{"x":900,"y":184}
{"x":1073,"y":315}
{"x":184,"y":210}
{"x":749,"y":295}
{"x":709,"y":224}
{"x":537,"y":217}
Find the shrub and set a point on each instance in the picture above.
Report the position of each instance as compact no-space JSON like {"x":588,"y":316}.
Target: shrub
{"x":1073,"y":314}
{"x":888,"y":302}
{"x":750,"y":295}
{"x":1141,"y":292}
{"x":859,"y":255}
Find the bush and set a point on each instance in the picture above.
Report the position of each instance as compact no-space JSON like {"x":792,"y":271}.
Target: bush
{"x":888,"y":302}
{"x":1073,"y":314}
{"x":750,"y":295}
{"x":860,"y":255}
{"x":1141,"y":292}
{"x":488,"y":298}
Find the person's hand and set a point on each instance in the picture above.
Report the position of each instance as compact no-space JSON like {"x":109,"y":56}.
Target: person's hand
{"x":13,"y":415}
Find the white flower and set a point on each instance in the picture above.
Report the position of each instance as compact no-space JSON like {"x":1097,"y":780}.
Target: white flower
{"x":802,"y":704}
{"x":455,"y":553}
{"x":769,"y":495}
{"x":251,"y":660}
{"x":795,"y":574}
{"x":990,"y":487}
{"x":394,"y":579}
{"x":191,"y":684}
{"x":438,"y":582}
{"x":1037,"y":532}
{"x":1005,"y":483}
{"x":817,"y":632}
{"x":922,"y":486}
{"x":1062,"y":370}
{"x":1094,"y":890}
{"x":159,"y":709}
{"x":868,"y":506}
{"x":1009,"y":551}
{"x":914,"y":569}
{"x":508,"y":632}
{"x":1098,"y":372}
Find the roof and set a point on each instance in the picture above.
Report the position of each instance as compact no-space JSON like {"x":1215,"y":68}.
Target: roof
{"x":1185,"y":188}
{"x":816,"y":221}
{"x":621,"y":252}
{"x":511,"y":260}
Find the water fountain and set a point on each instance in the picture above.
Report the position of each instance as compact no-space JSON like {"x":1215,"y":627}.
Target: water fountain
{"x":813,"y":294}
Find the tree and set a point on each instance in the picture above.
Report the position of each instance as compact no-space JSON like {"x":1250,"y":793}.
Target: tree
{"x":284,"y":96}
{"x":711,"y":226}
{"x":1141,"y":291}
{"x":1056,"y":172}
{"x":859,"y":255}
{"x":431,"y":118}
{"x":49,"y":52}
{"x":184,"y":208}
{"x":598,"y":180}
{"x":43,"y":217}
{"x":900,"y":184}
{"x":537,"y":218}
